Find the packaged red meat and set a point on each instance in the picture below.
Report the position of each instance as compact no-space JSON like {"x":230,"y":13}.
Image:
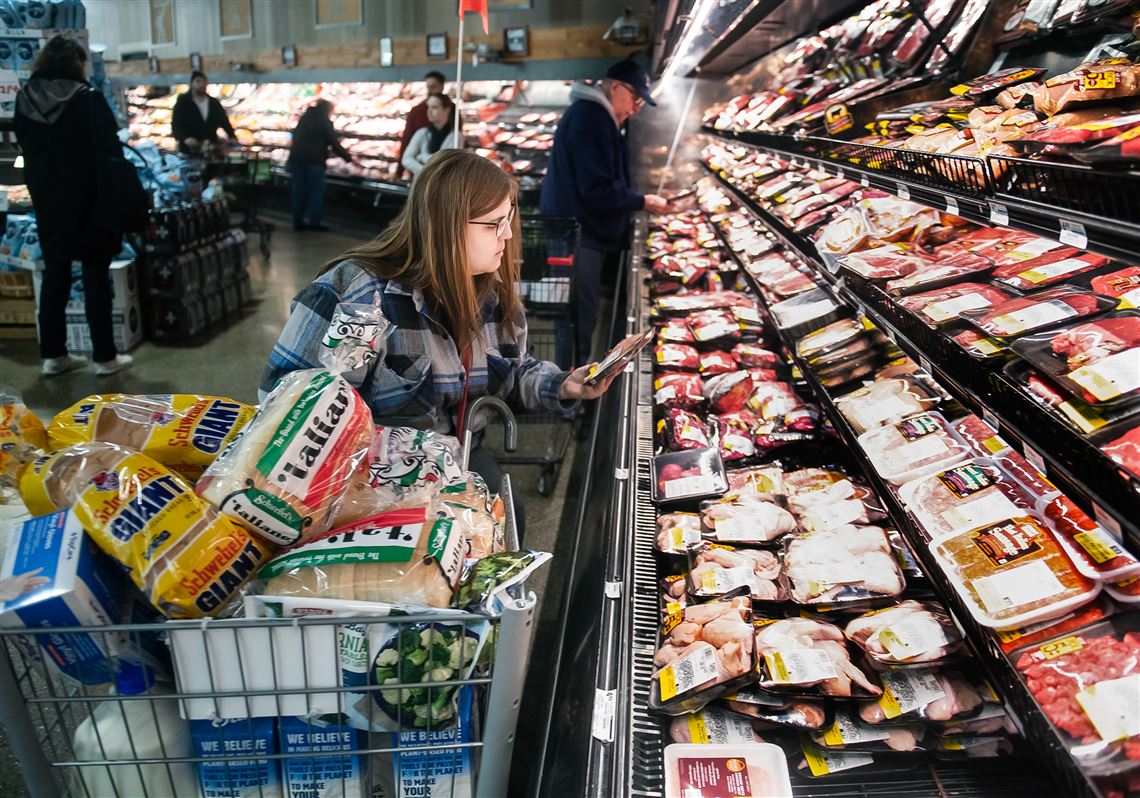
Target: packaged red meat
{"x":1098,"y":610}
{"x":716,"y":362}
{"x":905,"y":634}
{"x":802,"y":656}
{"x":681,"y":304}
{"x":713,"y":325}
{"x":1124,"y":283}
{"x":1068,"y":409}
{"x":1012,"y":573}
{"x":848,"y":732}
{"x":1126,"y":591}
{"x":986,"y":85}
{"x":684,"y":269}
{"x":677,"y":531}
{"x":681,"y":429}
{"x":751,"y":770}
{"x":809,"y":308}
{"x":942,"y":306}
{"x":981,"y":347}
{"x":860,"y":347}
{"x":1026,"y":474}
{"x":716,"y":570}
{"x":982,"y":439}
{"x":1087,"y":685}
{"x":1118,"y":149}
{"x":706,"y":650}
{"x":963,"y":497}
{"x":842,"y":565}
{"x":1021,"y":315}
{"x":677,"y":356}
{"x":911,"y":448}
{"x":883,"y":402}
{"x":1125,"y":450}
{"x":772,"y":400}
{"x":945,"y":271}
{"x":1054,"y":136}
{"x":675,"y":331}
{"x":728,"y":392}
{"x":747,"y":519}
{"x":674,"y":593}
{"x":834,"y":335}
{"x":1093,"y":550}
{"x":1098,"y":361}
{"x":678,"y":390}
{"x":735,"y":437}
{"x":688,"y":475}
{"x":874,"y":222}
{"x":886,"y":262}
{"x":1039,"y":274}
{"x":1087,"y":83}
{"x":754,"y":356}
{"x":749,"y":319}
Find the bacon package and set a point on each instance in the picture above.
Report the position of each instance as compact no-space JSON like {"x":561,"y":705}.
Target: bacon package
{"x":964,"y":496}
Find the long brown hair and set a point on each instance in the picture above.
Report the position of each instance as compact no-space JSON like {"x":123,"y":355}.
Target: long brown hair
{"x":62,"y":56}
{"x":425,"y":246}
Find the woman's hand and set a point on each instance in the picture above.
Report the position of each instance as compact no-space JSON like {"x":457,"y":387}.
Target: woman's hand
{"x":575,"y":387}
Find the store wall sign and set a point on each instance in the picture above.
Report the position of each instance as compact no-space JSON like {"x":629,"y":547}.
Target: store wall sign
{"x":516,"y":41}
{"x":386,"y":57}
{"x":437,"y":45}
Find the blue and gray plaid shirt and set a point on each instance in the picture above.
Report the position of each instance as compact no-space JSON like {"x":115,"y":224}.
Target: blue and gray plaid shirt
{"x":419,"y":383}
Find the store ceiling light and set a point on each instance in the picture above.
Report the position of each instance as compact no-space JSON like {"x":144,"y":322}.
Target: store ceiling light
{"x":695,"y":23}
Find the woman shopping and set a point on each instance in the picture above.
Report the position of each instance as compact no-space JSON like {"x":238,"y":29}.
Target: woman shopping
{"x":438,"y":135}
{"x":63,"y":126}
{"x":444,"y":274}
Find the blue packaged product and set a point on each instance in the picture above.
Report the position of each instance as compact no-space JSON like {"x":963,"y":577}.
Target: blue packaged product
{"x":13,"y":236}
{"x":440,"y":772}
{"x":7,"y":54}
{"x":239,"y":745}
{"x":10,"y":15}
{"x":320,"y":776}
{"x":39,"y":14}
{"x":53,"y":575}
{"x":26,"y":52}
{"x":30,"y":248}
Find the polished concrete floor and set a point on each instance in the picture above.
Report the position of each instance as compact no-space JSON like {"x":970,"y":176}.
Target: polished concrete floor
{"x":230,"y":364}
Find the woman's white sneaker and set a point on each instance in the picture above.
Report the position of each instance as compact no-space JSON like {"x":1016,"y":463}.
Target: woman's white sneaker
{"x":61,"y":365}
{"x":120,"y":363}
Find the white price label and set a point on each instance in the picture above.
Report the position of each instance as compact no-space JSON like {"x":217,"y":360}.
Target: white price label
{"x":863,"y":181}
{"x":907,"y":690}
{"x":686,"y":486}
{"x":799,"y":666}
{"x":1036,"y":458}
{"x":605,"y":702}
{"x":1106,"y":520}
{"x":839,"y":174}
{"x":1073,"y":234}
{"x":999,"y":214}
{"x":1026,"y":584}
{"x":903,"y":191}
{"x":1113,"y":707}
{"x":952,"y":205}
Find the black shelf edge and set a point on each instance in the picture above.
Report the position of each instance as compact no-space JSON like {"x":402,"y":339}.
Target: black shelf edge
{"x":1117,"y":238}
{"x":1035,"y":727}
{"x":1067,"y":458}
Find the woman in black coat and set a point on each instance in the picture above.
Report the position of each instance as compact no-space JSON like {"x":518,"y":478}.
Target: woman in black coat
{"x":60,"y":124}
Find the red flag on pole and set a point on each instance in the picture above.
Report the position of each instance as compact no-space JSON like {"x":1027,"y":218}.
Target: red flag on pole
{"x":475,"y":6}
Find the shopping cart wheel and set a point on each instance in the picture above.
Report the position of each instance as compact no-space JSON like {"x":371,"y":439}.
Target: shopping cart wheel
{"x":547,"y":480}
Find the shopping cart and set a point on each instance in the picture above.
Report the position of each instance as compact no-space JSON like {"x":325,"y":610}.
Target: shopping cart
{"x":240,"y":684}
{"x":242,"y":171}
{"x":548,"y":245}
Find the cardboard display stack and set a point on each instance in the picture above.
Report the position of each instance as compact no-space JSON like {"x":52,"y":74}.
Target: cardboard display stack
{"x":17,"y":306}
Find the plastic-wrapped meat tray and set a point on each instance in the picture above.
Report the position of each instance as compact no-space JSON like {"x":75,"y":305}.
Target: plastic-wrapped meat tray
{"x":1023,"y":315}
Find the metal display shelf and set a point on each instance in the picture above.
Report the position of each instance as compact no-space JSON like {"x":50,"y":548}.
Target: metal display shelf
{"x":1064,"y":455}
{"x":1034,"y":726}
{"x":1094,"y":209}
{"x":344,"y":181}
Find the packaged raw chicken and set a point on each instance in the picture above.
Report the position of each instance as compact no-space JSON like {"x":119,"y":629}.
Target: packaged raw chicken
{"x":965,"y":496}
{"x":1097,"y":361}
{"x":770,"y":711}
{"x":942,"y":306}
{"x":842,"y":565}
{"x":184,"y":433}
{"x":714,"y":725}
{"x":848,"y":732}
{"x":677,"y":531}
{"x":1012,"y":572}
{"x":1021,"y":315}
{"x":681,"y":429}
{"x":678,"y":390}
{"x":747,"y":519}
{"x":748,"y":770}
{"x":831,"y":505}
{"x":716,"y":570}
{"x":680,"y":357}
{"x":908,"y":633}
{"x":1086,"y":684}
{"x":801,"y":656}
{"x":187,"y":558}
{"x":883,"y":402}
{"x":913,"y":447}
{"x":706,"y":650}
{"x":930,"y":694}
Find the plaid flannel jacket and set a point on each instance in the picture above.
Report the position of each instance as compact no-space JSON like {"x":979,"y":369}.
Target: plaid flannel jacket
{"x":419,"y":382}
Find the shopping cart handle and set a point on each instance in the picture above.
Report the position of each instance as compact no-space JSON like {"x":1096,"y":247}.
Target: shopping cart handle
{"x":510,"y":428}
{"x":567,"y":260}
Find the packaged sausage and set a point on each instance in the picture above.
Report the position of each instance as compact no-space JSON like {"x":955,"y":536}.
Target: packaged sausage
{"x":285,"y":474}
{"x":22,"y":436}
{"x":910,"y":448}
{"x":187,"y":558}
{"x":1012,"y":573}
{"x":965,"y":496}
{"x":183,"y":432}
{"x":884,"y":402}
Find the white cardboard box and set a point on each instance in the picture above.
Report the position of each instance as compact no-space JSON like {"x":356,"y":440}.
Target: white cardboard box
{"x":128,"y":328}
{"x":124,"y":287}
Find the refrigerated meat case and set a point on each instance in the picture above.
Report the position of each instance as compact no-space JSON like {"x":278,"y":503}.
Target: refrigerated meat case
{"x":588,"y":729}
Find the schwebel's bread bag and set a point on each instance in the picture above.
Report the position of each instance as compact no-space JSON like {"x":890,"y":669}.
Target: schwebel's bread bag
{"x":283,"y":477}
{"x":183,"y":554}
{"x":183,"y":432}
{"x":21,"y":436}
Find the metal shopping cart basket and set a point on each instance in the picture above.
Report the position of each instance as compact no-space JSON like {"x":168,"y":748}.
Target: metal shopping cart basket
{"x":342,"y":702}
{"x":549,"y":245}
{"x":243,"y":171}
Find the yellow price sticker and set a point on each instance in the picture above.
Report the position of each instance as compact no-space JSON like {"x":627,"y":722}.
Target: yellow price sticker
{"x":1097,"y":546}
{"x":950,"y":744}
{"x":1099,"y":80}
{"x":834,"y":735}
{"x":995,"y":444}
{"x":668,"y":683}
{"x":889,"y":703}
{"x":987,"y":346}
{"x":1084,"y":418}
{"x":959,"y":90}
{"x":709,"y":580}
{"x":698,"y":729}
{"x":1059,"y":648}
{"x":672,"y":621}
{"x":777,"y":668}
{"x":815,"y":760}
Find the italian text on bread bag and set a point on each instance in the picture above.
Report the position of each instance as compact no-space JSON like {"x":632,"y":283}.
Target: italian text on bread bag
{"x":284,"y":475}
{"x":183,"y":432}
{"x":402,"y":556}
{"x":183,"y":554}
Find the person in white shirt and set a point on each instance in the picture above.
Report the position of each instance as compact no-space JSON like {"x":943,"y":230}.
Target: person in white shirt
{"x":438,"y":135}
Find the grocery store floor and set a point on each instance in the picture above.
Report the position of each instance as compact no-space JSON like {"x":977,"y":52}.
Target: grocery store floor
{"x":230,"y":364}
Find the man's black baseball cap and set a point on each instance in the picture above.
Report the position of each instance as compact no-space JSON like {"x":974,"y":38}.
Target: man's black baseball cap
{"x":630,"y":73}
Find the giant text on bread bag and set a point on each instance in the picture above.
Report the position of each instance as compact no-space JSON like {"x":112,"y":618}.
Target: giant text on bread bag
{"x":187,"y":558}
{"x":183,"y":432}
{"x":284,"y":475}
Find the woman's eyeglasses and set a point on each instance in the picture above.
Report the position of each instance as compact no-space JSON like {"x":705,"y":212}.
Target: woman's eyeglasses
{"x":502,"y":226}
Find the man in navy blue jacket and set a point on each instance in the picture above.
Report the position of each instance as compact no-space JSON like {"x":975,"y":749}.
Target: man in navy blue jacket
{"x":587,"y":177}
